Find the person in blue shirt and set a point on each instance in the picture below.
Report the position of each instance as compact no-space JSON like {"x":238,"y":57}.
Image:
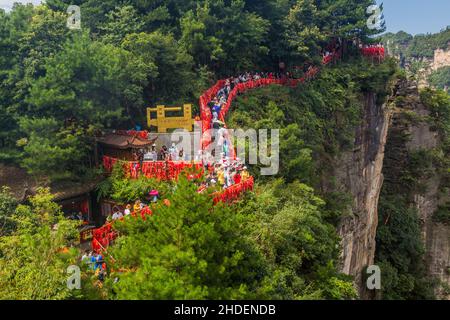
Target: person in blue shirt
{"x":216,"y":107}
{"x":225,"y":147}
{"x":93,"y":261}
{"x":98,"y":262}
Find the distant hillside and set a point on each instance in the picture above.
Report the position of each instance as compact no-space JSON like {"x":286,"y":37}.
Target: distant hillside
{"x":419,"y":46}
{"x":425,"y":56}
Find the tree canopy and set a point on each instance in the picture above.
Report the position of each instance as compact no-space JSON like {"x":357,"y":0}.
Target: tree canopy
{"x":32,"y":260}
{"x":132,"y":55}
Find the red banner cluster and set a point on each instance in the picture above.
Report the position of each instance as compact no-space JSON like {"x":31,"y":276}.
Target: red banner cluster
{"x":373,"y":52}
{"x":234,"y":192}
{"x":169,"y":170}
{"x":108,"y":163}
{"x":102,"y":236}
{"x":140,"y":134}
{"x":162,"y":170}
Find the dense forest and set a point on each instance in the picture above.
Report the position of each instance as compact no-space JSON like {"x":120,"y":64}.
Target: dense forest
{"x":58,"y":87}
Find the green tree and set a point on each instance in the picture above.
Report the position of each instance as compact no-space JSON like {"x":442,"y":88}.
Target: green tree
{"x":7,"y":207}
{"x":190,"y":249}
{"x":169,"y":68}
{"x":94,"y":13}
{"x":90,"y":81}
{"x":347,"y":19}
{"x":419,"y":46}
{"x":13,"y":26}
{"x":122,"y":189}
{"x":53,"y":150}
{"x":121,"y":22}
{"x":441,"y":78}
{"x":33,"y":265}
{"x":303,"y":32}
{"x":289,"y":228}
{"x":400,"y":249}
{"x":205,"y":47}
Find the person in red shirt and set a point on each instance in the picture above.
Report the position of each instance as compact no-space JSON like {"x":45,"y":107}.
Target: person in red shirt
{"x":237,"y":178}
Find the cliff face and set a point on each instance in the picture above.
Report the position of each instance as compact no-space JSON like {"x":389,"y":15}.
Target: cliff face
{"x":441,"y":59}
{"x":435,"y":235}
{"x":359,"y":173}
{"x":411,"y":120}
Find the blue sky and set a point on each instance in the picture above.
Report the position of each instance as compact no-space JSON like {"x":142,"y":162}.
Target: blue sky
{"x":416,"y":16}
{"x":7,"y":4}
{"x":412,"y":16}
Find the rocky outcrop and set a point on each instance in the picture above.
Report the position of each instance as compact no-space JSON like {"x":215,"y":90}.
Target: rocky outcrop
{"x":441,"y":59}
{"x":437,"y":243}
{"x":411,"y":119}
{"x":359,"y":173}
{"x":429,"y":65}
{"x":436,"y":236}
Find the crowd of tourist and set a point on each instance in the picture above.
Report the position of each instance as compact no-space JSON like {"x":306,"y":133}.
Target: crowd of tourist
{"x":366,"y":46}
{"x":170,"y":154}
{"x":96,"y":263}
{"x":222,"y":95}
{"x":222,"y":173}
{"x":226,"y":170}
{"x":139,"y":207}
{"x":77,"y":216}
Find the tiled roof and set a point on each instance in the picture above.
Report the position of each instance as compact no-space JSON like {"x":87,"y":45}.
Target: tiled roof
{"x":121,"y":141}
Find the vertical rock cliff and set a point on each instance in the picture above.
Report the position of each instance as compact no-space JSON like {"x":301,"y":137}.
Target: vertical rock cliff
{"x":406,"y":122}
{"x":359,"y":173}
{"x":435,"y":235}
{"x":411,"y":240}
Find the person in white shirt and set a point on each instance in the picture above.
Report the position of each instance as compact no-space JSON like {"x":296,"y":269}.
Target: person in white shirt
{"x":148,"y":156}
{"x":86,"y":256}
{"x":127,"y":210}
{"x":199,"y":155}
{"x":173,"y":150}
{"x":154,"y":153}
{"x":151,"y":155}
{"x":117,"y":215}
